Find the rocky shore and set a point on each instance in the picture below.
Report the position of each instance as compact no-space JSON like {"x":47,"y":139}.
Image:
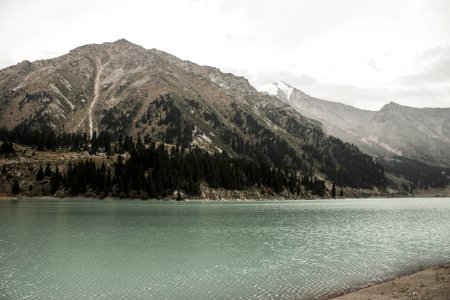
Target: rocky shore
{"x":432,"y":283}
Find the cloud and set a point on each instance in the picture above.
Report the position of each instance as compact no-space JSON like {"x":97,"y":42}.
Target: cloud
{"x":365,"y":97}
{"x":373,"y":65}
{"x":435,"y":65}
{"x":267,"y":77}
{"x":339,"y":50}
{"x":7,"y":61}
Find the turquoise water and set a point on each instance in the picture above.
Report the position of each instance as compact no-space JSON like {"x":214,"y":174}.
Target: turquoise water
{"x":214,"y":250}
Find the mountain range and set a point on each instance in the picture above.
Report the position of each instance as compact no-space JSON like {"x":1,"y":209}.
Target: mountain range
{"x":123,"y":89}
{"x":126,"y":90}
{"x":394,"y":130}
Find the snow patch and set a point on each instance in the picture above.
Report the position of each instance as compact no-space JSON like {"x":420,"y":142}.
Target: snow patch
{"x":271,"y":89}
{"x":275,"y":88}
{"x":286,"y":89}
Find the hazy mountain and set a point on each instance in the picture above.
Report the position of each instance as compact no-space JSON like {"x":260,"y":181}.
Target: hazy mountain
{"x":123,"y":88}
{"x":420,"y":133}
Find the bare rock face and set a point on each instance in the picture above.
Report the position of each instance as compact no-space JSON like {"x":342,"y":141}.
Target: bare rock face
{"x":419,"y":133}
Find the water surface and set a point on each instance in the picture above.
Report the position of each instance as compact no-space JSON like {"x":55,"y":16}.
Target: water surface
{"x":214,"y":250}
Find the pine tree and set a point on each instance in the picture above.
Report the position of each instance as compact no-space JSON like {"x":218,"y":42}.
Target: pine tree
{"x":179,"y":198}
{"x":40,"y":174}
{"x":15,"y":187}
{"x":6,"y":148}
{"x":333,"y":191}
{"x":119,"y":166}
{"x":47,"y":171}
{"x":55,"y":180}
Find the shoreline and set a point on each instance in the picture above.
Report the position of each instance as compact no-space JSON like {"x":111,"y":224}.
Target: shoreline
{"x":429,"y":283}
{"x":193,"y":199}
{"x":200,"y":199}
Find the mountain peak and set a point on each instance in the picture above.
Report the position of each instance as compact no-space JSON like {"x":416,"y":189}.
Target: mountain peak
{"x":279,"y":89}
{"x":283,"y":90}
{"x":391,"y":106}
{"x":122,"y":41}
{"x":392,"y":103}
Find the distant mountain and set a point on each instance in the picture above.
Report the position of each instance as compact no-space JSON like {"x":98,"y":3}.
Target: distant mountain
{"x":394,"y":130}
{"x":124,"y":89}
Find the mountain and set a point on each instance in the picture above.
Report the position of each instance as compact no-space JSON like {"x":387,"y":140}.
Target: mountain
{"x":123,"y":89}
{"x":394,"y":130}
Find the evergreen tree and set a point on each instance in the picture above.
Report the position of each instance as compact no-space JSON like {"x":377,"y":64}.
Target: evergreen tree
{"x":40,"y":174}
{"x":47,"y":171}
{"x":15,"y":189}
{"x":333,"y":191}
{"x":55,"y":181}
{"x":318,"y":187}
{"x":179,"y":198}
{"x":6,"y":148}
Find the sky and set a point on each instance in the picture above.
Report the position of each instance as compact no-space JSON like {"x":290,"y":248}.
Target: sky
{"x":364,"y":53}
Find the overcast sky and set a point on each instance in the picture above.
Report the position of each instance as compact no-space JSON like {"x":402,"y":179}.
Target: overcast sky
{"x":361,"y":52}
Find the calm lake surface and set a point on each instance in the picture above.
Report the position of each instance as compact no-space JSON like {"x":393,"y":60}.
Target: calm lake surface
{"x":214,"y":250}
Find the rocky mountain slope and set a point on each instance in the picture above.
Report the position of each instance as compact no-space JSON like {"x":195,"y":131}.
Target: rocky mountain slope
{"x":124,"y":89}
{"x":394,"y":130}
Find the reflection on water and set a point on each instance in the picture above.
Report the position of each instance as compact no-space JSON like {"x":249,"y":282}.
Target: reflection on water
{"x":214,"y":250}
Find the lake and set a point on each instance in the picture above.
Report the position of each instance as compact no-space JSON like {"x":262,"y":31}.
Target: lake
{"x":214,"y":250}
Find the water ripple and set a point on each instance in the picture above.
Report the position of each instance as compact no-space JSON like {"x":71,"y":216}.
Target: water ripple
{"x":243,"y":250}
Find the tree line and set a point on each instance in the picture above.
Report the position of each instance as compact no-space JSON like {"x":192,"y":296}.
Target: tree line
{"x":155,"y":170}
{"x":160,"y":171}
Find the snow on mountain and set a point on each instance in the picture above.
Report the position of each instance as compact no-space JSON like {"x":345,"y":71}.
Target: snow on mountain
{"x":279,"y":89}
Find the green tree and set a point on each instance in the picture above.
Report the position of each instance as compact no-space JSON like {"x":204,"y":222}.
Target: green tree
{"x":318,"y":187}
{"x":55,"y":180}
{"x":333,"y":191}
{"x":40,"y":174}
{"x":47,"y":171}
{"x":6,"y":148}
{"x":15,"y":187}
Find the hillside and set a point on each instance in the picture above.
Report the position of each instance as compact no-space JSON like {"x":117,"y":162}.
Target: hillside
{"x":125,"y":90}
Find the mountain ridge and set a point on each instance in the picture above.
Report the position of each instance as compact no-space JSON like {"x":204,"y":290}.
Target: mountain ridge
{"x":126,"y":90}
{"x":395,"y":129}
